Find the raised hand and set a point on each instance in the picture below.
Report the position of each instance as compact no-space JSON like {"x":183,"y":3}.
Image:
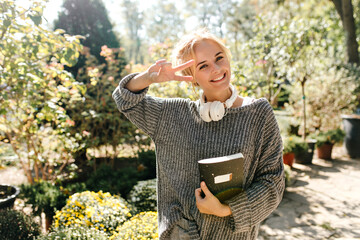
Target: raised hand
{"x":163,"y":71}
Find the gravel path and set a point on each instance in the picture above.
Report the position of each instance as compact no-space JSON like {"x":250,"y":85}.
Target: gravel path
{"x":322,"y":203}
{"x":12,"y":176}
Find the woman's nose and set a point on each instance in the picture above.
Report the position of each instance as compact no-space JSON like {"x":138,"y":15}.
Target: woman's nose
{"x":216,"y":67}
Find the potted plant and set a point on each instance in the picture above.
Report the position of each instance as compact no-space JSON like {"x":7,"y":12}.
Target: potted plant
{"x":288,"y":151}
{"x":304,"y":150}
{"x":326,"y":141}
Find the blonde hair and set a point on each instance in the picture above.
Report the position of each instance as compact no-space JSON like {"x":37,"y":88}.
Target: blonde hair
{"x":184,"y":49}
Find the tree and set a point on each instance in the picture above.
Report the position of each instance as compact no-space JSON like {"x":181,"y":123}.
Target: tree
{"x":134,"y":24}
{"x":164,"y":21}
{"x":97,"y":116}
{"x":239,"y":21}
{"x":346,"y":13}
{"x":33,"y":85}
{"x":230,"y":20}
{"x":88,"y":18}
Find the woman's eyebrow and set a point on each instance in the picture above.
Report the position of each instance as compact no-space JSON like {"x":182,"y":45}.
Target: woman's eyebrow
{"x":200,"y":63}
{"x":218,"y":53}
{"x":205,"y":60}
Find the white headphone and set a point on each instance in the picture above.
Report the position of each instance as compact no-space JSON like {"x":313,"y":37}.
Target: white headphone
{"x":215,"y":111}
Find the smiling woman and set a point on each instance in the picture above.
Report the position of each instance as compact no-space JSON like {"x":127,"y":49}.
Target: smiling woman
{"x":220,"y":123}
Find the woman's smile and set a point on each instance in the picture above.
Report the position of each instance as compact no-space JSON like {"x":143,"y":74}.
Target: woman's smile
{"x":222,"y":77}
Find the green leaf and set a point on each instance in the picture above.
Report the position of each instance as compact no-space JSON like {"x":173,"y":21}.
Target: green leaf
{"x":36,"y":19}
{"x":6,"y":23}
{"x":3,"y":111}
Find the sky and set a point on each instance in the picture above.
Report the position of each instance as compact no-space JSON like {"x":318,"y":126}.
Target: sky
{"x":113,"y":7}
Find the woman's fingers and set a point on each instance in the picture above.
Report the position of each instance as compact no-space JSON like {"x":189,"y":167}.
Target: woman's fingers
{"x":165,"y":71}
{"x":183,"y":78}
{"x":160,"y":61}
{"x":184,"y":65}
{"x":198,"y":193}
{"x":205,"y":189}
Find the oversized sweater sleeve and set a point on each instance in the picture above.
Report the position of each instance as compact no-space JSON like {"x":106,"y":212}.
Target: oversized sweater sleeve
{"x":141,"y":109}
{"x":265,"y":192}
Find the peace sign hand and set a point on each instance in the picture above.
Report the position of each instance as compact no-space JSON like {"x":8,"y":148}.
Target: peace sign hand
{"x":163,"y":71}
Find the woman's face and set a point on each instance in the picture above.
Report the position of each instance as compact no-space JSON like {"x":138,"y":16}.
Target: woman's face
{"x":212,"y":68}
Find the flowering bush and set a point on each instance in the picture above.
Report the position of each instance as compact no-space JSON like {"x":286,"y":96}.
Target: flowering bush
{"x":99,"y":210}
{"x":75,"y":233}
{"x":143,"y":196}
{"x":142,"y":226}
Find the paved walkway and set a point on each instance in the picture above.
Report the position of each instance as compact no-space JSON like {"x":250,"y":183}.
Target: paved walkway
{"x":323,"y":202}
{"x":12,"y":176}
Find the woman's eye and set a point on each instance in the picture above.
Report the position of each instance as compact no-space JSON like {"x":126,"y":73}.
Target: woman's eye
{"x":203,"y":66}
{"x":219,"y":58}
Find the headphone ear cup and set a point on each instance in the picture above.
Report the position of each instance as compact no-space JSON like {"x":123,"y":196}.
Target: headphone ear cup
{"x":205,"y":112}
{"x":217,"y":111}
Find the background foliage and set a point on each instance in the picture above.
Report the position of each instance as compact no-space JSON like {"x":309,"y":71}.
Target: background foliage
{"x":33,"y":85}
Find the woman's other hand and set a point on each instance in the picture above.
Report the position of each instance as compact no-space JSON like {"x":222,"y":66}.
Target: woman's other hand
{"x":163,"y":71}
{"x":210,"y":204}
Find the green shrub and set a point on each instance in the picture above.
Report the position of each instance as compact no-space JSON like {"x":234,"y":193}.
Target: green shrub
{"x":143,"y":196}
{"x":114,"y":181}
{"x":330,"y":137}
{"x":75,"y":233}
{"x":70,"y":188}
{"x":98,"y":210}
{"x":142,"y":226}
{"x":300,"y":146}
{"x":44,"y":197}
{"x":148,"y":159}
{"x":16,"y":225}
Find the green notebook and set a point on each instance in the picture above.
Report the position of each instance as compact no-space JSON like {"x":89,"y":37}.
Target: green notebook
{"x":223,"y":176}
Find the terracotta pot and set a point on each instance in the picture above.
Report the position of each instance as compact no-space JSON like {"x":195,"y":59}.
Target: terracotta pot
{"x":289,"y":158}
{"x":324,"y":152}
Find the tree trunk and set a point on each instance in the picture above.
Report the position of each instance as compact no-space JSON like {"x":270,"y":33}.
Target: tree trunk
{"x":48,"y":222}
{"x":338,"y":7}
{"x":346,"y":13}
{"x":304,"y":106}
{"x":350,"y":31}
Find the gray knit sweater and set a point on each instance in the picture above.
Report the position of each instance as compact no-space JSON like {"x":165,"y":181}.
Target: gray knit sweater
{"x":181,"y":138}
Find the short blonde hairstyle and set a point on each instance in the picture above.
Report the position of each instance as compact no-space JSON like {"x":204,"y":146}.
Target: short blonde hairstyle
{"x":184,"y":49}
